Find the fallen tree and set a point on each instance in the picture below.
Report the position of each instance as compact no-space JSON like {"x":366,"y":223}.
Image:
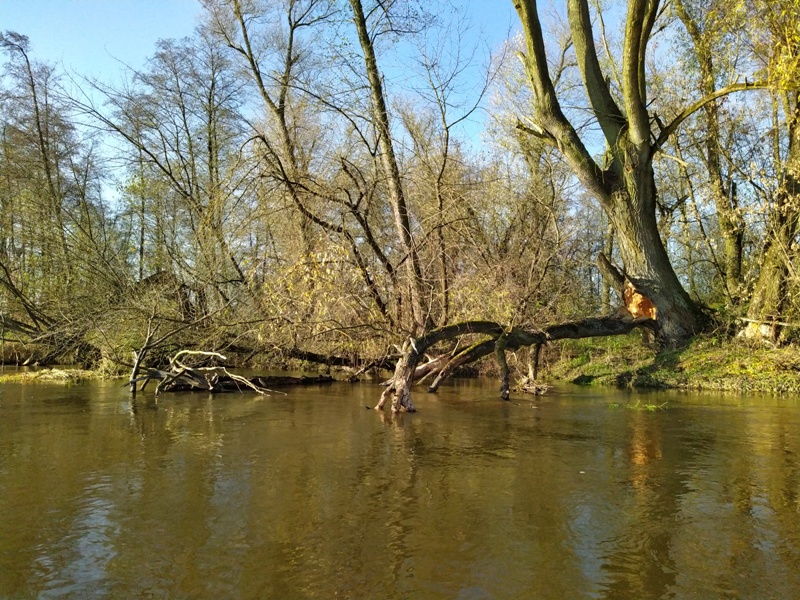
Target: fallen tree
{"x":212,"y":379}
{"x":497,"y":339}
{"x":636,"y":312}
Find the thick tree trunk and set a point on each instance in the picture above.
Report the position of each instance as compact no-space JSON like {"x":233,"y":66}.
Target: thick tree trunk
{"x":648,"y":267}
{"x":626,"y":187}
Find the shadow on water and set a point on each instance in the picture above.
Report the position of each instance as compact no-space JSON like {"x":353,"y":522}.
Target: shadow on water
{"x":309,"y":495}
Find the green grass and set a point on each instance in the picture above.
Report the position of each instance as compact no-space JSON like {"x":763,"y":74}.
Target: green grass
{"x":66,"y":376}
{"x":710,"y":363}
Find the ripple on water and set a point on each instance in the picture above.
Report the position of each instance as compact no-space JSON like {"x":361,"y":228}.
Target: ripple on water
{"x":75,"y":563}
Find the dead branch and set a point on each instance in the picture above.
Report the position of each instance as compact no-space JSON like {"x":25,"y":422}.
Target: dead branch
{"x":213,"y":379}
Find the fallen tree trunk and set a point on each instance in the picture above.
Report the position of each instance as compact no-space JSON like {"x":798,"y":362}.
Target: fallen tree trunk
{"x":466,"y":356}
{"x":196,"y":382}
{"x":499,"y":340}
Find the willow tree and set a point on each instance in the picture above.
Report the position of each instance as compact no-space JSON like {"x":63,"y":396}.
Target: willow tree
{"x":624,"y":184}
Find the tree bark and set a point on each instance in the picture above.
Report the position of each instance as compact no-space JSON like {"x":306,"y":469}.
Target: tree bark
{"x":501,"y":339}
{"x":731,"y":224}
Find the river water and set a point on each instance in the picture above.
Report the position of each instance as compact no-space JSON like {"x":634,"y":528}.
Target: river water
{"x":577,"y":494}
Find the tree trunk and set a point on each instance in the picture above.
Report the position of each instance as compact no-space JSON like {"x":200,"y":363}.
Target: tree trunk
{"x":731,"y":224}
{"x":499,"y":340}
{"x":648,"y":266}
{"x":769,"y":297}
{"x":605,"y":286}
{"x":402,"y":221}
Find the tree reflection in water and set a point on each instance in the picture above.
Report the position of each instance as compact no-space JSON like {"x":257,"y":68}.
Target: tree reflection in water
{"x":310,"y":495}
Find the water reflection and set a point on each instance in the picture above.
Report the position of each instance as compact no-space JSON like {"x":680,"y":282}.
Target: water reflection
{"x":77,"y":562}
{"x":312,"y":496}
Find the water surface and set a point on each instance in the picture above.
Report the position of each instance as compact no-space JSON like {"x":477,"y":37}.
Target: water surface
{"x":310,"y":495}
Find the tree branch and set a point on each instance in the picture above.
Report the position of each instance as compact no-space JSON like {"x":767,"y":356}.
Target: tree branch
{"x":693,"y":108}
{"x":605,"y":109}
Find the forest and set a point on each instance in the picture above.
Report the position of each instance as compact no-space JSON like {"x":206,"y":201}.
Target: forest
{"x":304,"y":180}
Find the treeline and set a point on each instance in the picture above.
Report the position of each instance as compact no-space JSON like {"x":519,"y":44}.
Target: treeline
{"x":305,"y":180}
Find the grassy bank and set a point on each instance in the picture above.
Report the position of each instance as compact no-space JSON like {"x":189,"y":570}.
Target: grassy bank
{"x":66,"y":376}
{"x":709,"y":363}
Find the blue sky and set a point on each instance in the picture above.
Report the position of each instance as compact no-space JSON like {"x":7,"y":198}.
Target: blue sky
{"x":91,"y":36}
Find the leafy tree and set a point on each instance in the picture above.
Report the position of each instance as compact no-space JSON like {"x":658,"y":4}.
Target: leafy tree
{"x":60,"y":254}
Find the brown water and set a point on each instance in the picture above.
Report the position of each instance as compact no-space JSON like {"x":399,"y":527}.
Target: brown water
{"x":311,"y":496}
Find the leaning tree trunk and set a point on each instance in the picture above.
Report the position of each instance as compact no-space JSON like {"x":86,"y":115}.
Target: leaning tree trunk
{"x":498,"y":339}
{"x":388,"y":158}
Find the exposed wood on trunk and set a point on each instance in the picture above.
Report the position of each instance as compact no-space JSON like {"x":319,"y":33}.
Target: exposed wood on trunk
{"x":625,"y":184}
{"x":635,"y":303}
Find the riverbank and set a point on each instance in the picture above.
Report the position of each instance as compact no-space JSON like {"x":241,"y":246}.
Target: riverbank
{"x":47,"y":375}
{"x":708,"y":363}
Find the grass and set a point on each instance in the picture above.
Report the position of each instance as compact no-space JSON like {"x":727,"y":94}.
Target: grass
{"x":65,"y":376}
{"x":708,"y":363}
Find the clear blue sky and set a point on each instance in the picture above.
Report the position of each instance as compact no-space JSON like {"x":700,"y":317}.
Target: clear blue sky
{"x":90,"y":36}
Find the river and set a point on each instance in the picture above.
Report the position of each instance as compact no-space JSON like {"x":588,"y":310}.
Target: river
{"x":581,"y":493}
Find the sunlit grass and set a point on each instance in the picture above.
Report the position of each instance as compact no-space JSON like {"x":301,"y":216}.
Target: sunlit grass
{"x":65,"y":376}
{"x":708,"y":363}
